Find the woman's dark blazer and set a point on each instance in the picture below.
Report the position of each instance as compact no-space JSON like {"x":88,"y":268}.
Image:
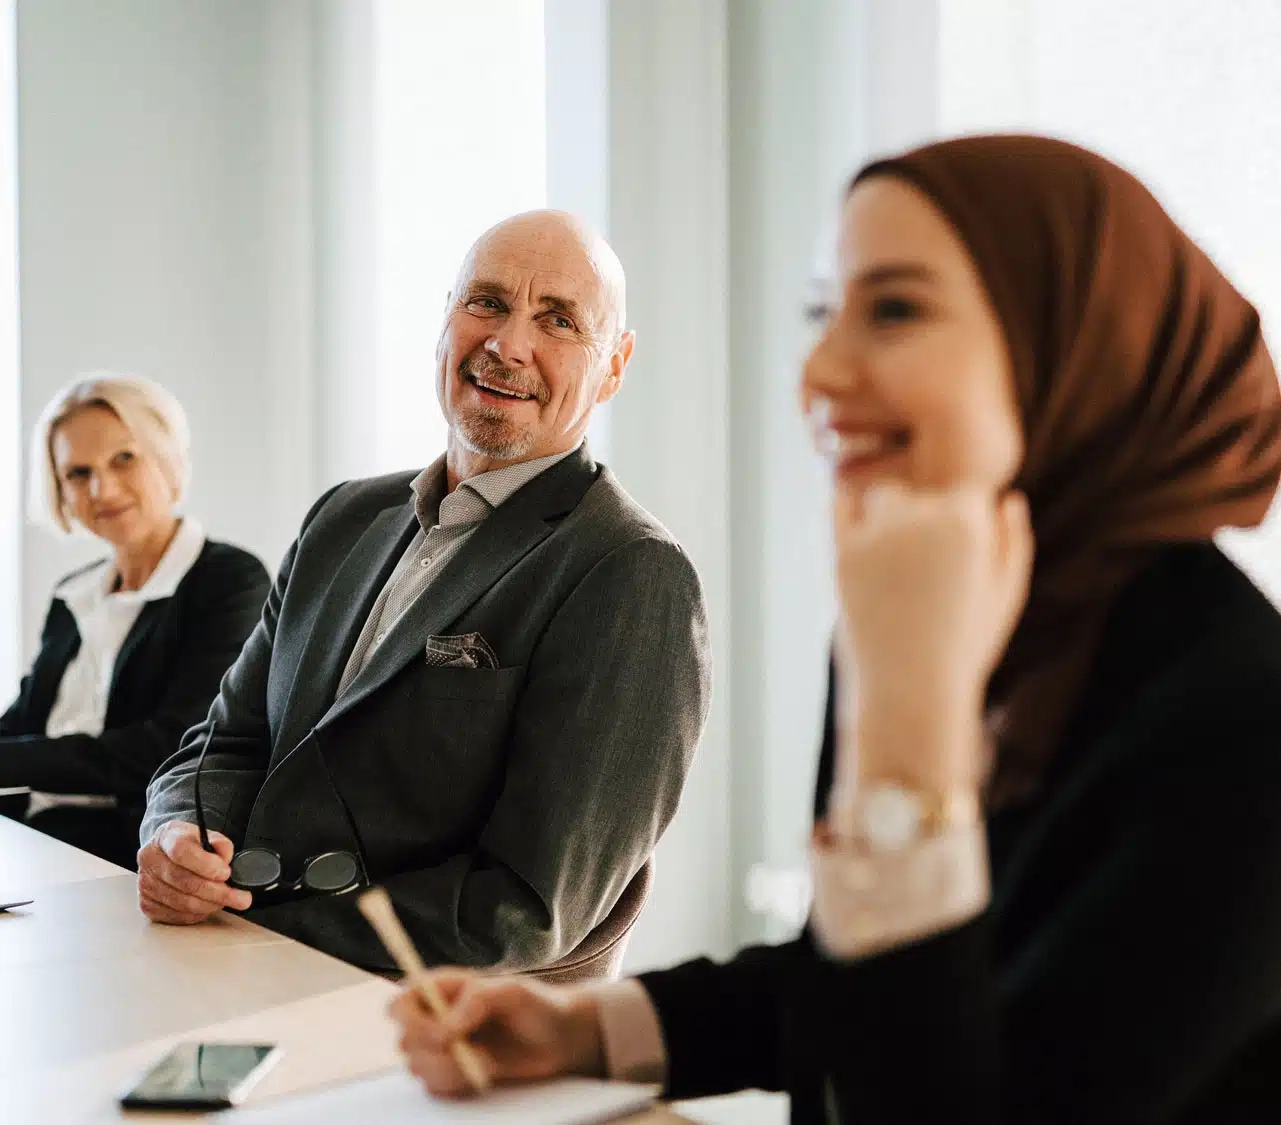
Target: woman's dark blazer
{"x":1128,"y":968}
{"x":166,"y":676}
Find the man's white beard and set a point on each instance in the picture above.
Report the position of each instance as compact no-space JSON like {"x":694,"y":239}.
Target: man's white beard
{"x":491,"y":435}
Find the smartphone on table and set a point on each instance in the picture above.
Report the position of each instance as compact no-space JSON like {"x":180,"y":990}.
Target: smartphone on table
{"x":202,"y":1076}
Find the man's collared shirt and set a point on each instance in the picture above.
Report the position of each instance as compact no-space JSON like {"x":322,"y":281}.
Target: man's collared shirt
{"x":441,"y":535}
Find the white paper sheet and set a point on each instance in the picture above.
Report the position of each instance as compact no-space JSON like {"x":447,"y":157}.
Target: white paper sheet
{"x":398,"y":1099}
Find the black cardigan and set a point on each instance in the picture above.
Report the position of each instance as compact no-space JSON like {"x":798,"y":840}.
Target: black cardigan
{"x":165,"y":677}
{"x":1129,"y":966}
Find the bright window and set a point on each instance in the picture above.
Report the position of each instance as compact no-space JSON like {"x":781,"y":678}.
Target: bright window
{"x":1191,"y":102}
{"x":1185,"y":94}
{"x":460,"y":143}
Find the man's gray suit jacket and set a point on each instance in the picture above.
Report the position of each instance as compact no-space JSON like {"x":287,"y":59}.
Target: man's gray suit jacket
{"x":505,"y":810}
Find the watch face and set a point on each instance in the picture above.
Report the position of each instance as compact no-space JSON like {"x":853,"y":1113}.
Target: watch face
{"x":891,"y":817}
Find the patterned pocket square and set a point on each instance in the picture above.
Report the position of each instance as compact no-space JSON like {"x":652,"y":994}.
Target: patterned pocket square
{"x":470,"y":650}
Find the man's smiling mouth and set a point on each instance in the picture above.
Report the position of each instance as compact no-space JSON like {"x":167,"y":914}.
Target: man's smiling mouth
{"x":487,"y":385}
{"x":494,"y":388}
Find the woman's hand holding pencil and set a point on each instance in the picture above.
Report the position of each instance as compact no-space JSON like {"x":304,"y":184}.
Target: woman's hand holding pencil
{"x":462,"y":1030}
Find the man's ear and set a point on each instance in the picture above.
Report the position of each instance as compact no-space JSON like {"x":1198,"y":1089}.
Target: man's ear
{"x":618,"y":362}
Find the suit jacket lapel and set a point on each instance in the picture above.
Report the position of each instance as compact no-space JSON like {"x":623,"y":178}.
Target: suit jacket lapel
{"x":506,"y":536}
{"x":51,"y":664}
{"x":343,"y":609}
{"x":142,"y":628}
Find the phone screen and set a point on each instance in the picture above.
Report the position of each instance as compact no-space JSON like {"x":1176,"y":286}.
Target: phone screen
{"x":202,"y":1076}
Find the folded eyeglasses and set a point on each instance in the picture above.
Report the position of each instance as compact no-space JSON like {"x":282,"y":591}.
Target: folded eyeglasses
{"x":261,"y":871}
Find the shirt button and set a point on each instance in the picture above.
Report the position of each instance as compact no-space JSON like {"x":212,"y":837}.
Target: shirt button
{"x":379,"y":639}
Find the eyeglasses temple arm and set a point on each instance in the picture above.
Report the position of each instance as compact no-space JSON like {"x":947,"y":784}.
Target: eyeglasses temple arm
{"x":200,"y":808}
{"x":351,"y":820}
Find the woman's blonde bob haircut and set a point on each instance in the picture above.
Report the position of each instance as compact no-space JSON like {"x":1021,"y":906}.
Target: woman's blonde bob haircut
{"x":150,"y":413}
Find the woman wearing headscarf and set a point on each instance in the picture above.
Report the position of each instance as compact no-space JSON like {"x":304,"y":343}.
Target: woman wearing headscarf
{"x":134,"y":645}
{"x":1048,"y":853}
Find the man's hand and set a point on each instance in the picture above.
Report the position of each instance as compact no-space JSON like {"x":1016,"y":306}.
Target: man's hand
{"x":522,"y":1029}
{"x":180,"y":883}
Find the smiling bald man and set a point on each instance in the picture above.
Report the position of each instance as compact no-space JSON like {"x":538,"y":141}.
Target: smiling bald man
{"x":480,"y":685}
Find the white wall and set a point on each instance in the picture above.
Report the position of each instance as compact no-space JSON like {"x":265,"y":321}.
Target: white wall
{"x":343,"y":236}
{"x":669,"y":429}
{"x":10,"y":402}
{"x":163,"y":196}
{"x":286,"y":180}
{"x":797,"y":92}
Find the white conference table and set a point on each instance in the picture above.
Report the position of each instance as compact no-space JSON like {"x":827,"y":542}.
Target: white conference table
{"x":91,"y":993}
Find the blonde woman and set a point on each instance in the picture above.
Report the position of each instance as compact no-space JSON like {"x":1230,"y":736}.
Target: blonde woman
{"x":134,"y":645}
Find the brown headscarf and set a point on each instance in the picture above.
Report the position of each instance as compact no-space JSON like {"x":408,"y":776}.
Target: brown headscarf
{"x":1150,"y":405}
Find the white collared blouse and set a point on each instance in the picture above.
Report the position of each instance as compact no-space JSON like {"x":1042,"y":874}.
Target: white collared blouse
{"x":103,"y":619}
